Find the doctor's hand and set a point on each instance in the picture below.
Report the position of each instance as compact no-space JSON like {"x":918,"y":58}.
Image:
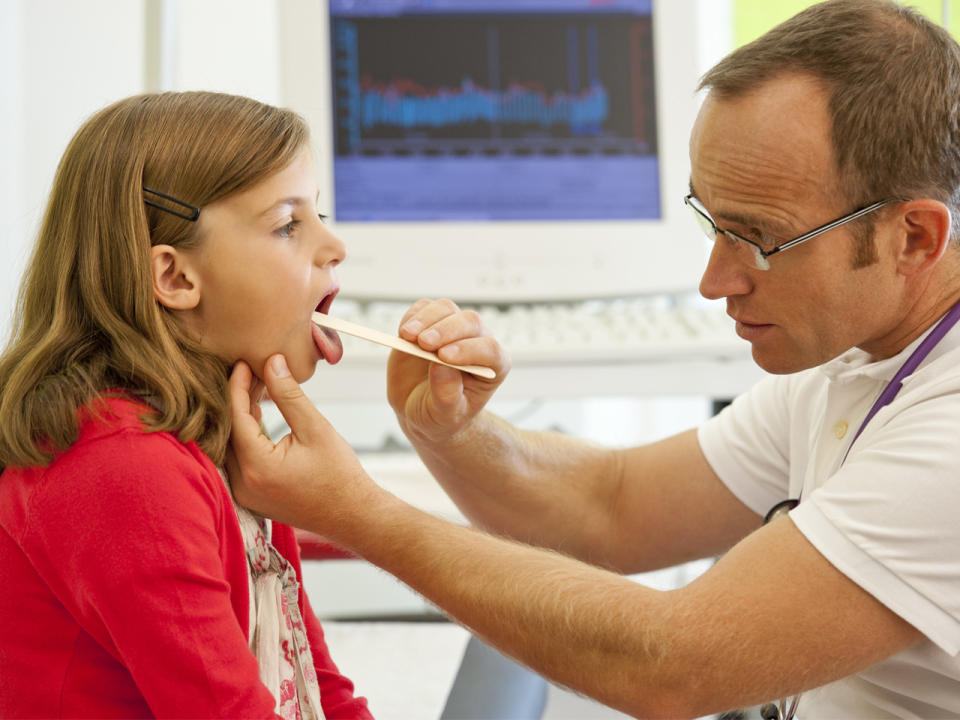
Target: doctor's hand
{"x":311,"y":478}
{"x":434,"y":402}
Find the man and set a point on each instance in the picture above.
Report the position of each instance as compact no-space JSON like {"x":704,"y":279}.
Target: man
{"x":825,"y":161}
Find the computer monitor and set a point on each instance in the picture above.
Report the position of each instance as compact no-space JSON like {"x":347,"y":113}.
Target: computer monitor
{"x":501,"y":150}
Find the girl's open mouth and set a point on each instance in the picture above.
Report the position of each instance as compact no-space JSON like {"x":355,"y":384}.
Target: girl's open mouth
{"x":327,"y":341}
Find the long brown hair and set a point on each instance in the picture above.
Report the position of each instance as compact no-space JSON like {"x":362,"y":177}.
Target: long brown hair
{"x":86,"y":320}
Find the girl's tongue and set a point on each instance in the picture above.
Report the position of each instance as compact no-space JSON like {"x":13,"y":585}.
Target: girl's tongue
{"x":328,"y":343}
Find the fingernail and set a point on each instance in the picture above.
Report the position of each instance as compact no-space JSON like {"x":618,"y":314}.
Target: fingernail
{"x":279,"y":366}
{"x":430,"y":337}
{"x":413,"y":327}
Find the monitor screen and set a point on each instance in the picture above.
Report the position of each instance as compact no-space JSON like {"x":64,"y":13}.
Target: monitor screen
{"x":501,"y":150}
{"x":493,"y":110}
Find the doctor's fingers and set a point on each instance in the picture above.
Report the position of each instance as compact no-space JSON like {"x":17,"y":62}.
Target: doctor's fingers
{"x":484,"y":350}
{"x":304,"y":420}
{"x":442,"y":323}
{"x":414,"y":310}
{"x":245,"y":430}
{"x":425,"y":315}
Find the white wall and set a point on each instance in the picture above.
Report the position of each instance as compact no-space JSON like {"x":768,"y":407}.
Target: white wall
{"x":715,"y":19}
{"x":224,"y":45}
{"x":11,"y":157}
{"x":61,"y":60}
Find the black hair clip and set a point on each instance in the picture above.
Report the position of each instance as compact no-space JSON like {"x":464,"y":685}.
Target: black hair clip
{"x":192,"y":215}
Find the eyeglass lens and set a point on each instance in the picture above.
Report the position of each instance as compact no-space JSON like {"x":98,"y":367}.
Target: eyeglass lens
{"x":705,"y":224}
{"x":750,"y":253}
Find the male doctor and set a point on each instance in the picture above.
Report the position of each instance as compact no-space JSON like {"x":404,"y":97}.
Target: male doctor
{"x":825,"y":166}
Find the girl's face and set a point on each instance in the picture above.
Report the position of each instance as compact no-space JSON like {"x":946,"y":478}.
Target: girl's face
{"x":265,"y":263}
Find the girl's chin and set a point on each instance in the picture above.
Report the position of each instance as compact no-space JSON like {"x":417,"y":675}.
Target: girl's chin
{"x":302,"y":378}
{"x":303,"y":371}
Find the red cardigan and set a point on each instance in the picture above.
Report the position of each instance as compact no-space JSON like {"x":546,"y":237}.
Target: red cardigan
{"x":123,"y":590}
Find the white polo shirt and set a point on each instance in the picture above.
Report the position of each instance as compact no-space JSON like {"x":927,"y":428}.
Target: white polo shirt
{"x":888,"y":517}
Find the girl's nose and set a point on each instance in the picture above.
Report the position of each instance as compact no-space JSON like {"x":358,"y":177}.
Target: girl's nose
{"x":331,"y":250}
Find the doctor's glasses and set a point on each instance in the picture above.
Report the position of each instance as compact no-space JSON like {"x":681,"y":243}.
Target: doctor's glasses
{"x":755,"y":252}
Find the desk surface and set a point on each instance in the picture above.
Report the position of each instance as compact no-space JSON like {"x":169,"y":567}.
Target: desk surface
{"x":405,"y":670}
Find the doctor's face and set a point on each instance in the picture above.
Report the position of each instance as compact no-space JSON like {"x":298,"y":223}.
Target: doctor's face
{"x":763,"y":167}
{"x":265,"y":264}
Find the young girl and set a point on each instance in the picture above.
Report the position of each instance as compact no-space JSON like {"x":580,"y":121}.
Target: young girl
{"x":181,"y":236}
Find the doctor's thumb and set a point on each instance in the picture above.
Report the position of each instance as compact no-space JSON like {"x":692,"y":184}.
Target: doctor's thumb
{"x":289,"y":398}
{"x":277,"y":366}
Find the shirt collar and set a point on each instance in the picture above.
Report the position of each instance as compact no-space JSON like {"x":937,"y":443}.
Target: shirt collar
{"x":856,"y":363}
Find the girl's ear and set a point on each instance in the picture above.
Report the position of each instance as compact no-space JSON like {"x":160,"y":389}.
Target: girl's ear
{"x":175,"y":285}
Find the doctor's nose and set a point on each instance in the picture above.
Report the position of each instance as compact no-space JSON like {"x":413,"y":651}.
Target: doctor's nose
{"x":726,"y":274}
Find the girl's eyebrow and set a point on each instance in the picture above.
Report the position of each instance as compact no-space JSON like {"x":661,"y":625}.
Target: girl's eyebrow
{"x":290,"y":201}
{"x":293,"y":202}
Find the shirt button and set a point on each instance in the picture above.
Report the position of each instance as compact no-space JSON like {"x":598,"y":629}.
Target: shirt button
{"x":840,"y":429}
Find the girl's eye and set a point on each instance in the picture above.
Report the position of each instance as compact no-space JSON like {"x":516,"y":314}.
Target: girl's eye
{"x":291,"y":227}
{"x":288,"y":229}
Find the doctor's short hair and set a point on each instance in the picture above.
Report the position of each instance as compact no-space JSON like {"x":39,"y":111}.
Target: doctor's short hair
{"x":894,"y":83}
{"x":87,"y":320}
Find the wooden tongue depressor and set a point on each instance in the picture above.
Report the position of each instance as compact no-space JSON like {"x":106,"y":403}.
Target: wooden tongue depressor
{"x":396,"y":343}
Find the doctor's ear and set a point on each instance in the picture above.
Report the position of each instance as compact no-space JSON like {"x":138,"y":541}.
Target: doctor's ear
{"x":174,"y":283}
{"x":926,"y":226}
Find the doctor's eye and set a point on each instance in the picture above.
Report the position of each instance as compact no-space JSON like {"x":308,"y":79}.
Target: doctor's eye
{"x":761,"y":238}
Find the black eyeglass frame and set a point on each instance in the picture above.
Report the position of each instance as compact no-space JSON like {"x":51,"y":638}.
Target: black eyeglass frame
{"x":761,"y":255}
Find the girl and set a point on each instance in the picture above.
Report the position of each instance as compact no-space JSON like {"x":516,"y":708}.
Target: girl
{"x":181,"y":236}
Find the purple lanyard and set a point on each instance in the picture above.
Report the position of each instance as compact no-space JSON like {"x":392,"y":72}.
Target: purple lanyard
{"x":917,"y":357}
{"x":888,"y":394}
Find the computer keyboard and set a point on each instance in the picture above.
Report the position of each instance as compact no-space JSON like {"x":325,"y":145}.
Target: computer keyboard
{"x":592,"y":331}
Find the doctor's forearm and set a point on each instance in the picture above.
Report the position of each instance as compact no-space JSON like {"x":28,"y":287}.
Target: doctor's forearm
{"x":582,"y":627}
{"x":538,"y":487}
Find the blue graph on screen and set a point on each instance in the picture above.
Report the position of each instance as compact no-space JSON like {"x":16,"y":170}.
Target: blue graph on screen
{"x":407,"y":105}
{"x":473,"y":115}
